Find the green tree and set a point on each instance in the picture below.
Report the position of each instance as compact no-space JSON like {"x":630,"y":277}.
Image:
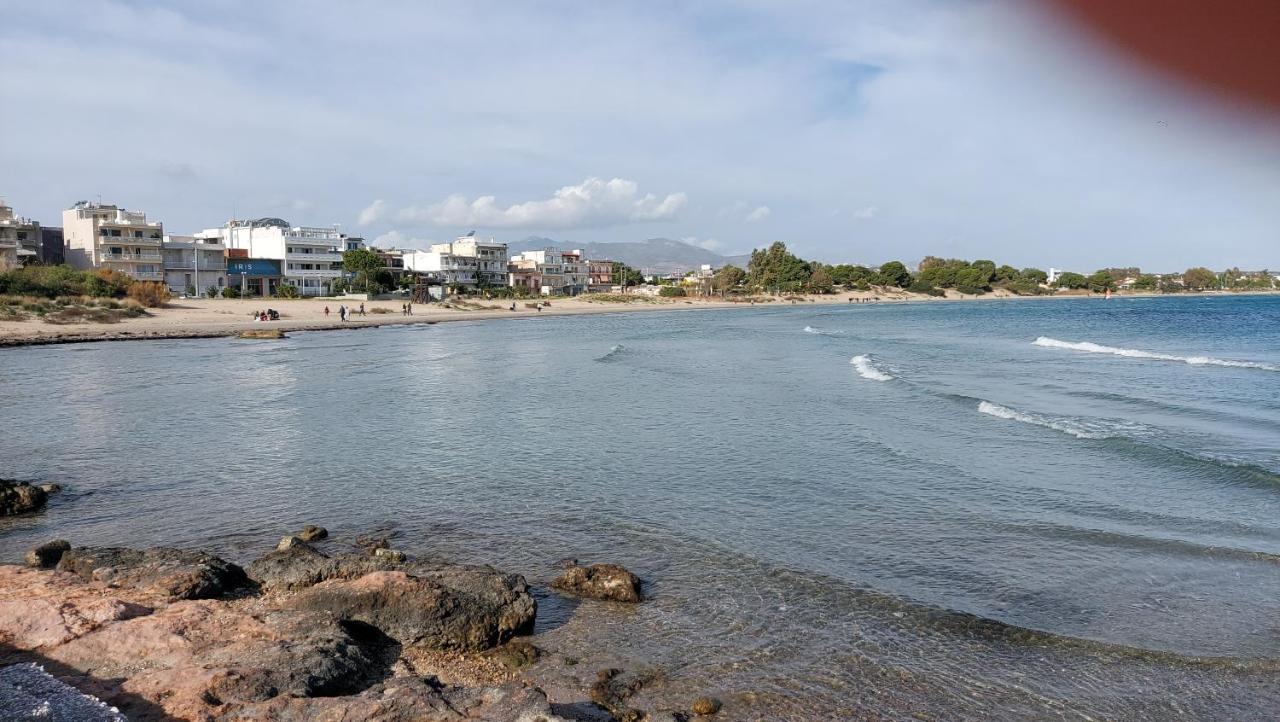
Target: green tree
{"x":727,"y":278}
{"x":1067,"y":279}
{"x":1101,"y":281}
{"x":1198,"y":279}
{"x":777,"y":269}
{"x":1146,"y":282}
{"x":975,"y":279}
{"x":626,"y":276}
{"x":820,"y":279}
{"x":363,"y":262}
{"x":894,"y":273}
{"x":1035,"y":275}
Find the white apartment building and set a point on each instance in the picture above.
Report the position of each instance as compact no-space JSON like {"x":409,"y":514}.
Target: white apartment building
{"x":563,"y":272}
{"x":310,"y":257}
{"x":101,"y":235}
{"x":19,"y":238}
{"x":466,"y":261}
{"x":194,"y":263}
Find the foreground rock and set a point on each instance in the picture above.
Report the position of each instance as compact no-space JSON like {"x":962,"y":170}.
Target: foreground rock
{"x":262,"y":333}
{"x":47,"y":555}
{"x":600,"y":581}
{"x":19,"y":497}
{"x":252,"y":658}
{"x":172,"y":573}
{"x":441,"y":606}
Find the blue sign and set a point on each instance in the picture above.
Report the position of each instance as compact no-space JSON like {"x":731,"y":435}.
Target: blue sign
{"x":252,"y":267}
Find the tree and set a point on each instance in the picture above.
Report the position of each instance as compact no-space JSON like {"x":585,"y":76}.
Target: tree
{"x":820,"y":280}
{"x":727,"y":278}
{"x":1067,"y":279}
{"x":975,"y":279}
{"x":362,"y":261}
{"x":778,"y":269}
{"x":1101,"y":281}
{"x":894,"y":273}
{"x":626,"y":276}
{"x":1006,"y":273}
{"x":1146,"y":282}
{"x":1198,"y":279}
{"x":1035,"y":275}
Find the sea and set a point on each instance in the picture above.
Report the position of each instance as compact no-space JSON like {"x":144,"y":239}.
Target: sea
{"x":1004,"y":509}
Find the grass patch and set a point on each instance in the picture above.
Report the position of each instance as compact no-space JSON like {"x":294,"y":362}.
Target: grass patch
{"x":68,"y":309}
{"x":617,"y":298}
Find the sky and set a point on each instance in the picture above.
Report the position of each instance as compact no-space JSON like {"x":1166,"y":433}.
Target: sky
{"x":852,"y":130}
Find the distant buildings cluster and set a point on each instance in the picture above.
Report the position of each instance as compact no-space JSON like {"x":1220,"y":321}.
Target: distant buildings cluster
{"x":258,"y":256}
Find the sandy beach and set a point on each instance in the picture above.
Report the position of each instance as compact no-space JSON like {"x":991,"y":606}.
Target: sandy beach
{"x":205,"y":318}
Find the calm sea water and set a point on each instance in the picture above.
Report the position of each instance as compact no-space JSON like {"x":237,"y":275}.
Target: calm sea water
{"x":1029,"y":509}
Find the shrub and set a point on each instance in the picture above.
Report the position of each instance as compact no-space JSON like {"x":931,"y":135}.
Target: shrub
{"x":672,"y":292}
{"x":190,"y":290}
{"x":926,"y":288}
{"x":151,"y":294}
{"x":231,"y":292}
{"x":286,"y":290}
{"x":212,"y":291}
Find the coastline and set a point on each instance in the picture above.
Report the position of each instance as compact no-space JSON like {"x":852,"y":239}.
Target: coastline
{"x":218,"y":318}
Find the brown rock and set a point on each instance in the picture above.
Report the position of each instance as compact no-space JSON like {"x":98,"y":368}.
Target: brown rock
{"x":312,"y":533}
{"x":390,"y":555}
{"x":706,"y":706}
{"x":19,"y":497}
{"x":416,"y":610}
{"x":47,"y":555}
{"x":174,"y":573}
{"x":600,"y":581}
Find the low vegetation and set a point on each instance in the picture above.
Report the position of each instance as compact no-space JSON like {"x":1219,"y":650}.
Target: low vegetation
{"x":617,"y":298}
{"x":66,"y":310}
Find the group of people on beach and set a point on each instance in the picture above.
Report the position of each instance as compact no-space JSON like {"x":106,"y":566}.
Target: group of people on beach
{"x":406,"y":309}
{"x":268,"y":315}
{"x":345,"y":313}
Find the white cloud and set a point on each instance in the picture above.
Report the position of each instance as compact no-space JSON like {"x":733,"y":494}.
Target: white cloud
{"x":396,"y":239}
{"x":759,"y":213}
{"x":591,"y":204}
{"x":374,"y":212}
{"x":865,"y":213}
{"x":710,"y":244}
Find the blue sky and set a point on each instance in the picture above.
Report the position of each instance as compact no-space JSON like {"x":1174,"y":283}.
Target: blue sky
{"x":852,"y":130}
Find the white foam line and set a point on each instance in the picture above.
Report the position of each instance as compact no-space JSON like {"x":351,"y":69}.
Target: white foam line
{"x":862,"y":364}
{"x":1089,"y":347}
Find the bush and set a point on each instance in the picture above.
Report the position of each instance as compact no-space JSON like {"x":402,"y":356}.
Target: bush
{"x":672,"y":292}
{"x":190,"y":291}
{"x":55,"y":281}
{"x":231,"y":292}
{"x":151,"y":294}
{"x":212,"y":292}
{"x":926,"y":288}
{"x":286,"y":290}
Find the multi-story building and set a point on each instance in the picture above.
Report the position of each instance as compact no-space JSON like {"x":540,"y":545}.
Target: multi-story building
{"x":310,"y":257}
{"x":601,"y":275}
{"x":466,"y":261}
{"x":20,"y":239}
{"x":562,"y":272}
{"x":194,"y":264}
{"x":51,"y":246}
{"x":101,"y":235}
{"x":524,"y":274}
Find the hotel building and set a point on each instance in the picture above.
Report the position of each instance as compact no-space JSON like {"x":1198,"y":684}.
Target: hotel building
{"x":100,"y":235}
{"x":194,"y":263}
{"x":310,"y":257}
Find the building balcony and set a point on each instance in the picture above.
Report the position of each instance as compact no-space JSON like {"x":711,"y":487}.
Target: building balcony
{"x":146,"y":275}
{"x":128,"y":241}
{"x":131,"y":257}
{"x":324,"y":257}
{"x":295,"y":273}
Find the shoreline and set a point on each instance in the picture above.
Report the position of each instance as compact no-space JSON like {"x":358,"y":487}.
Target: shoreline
{"x":202,"y":318}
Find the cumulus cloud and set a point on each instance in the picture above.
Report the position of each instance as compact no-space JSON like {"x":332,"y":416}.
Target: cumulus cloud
{"x":865,"y":212}
{"x":592,"y":203}
{"x":374,"y":212}
{"x":757,"y":214}
{"x":396,"y":239}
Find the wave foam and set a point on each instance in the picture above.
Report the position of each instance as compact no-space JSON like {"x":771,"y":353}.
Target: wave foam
{"x":820,"y":332}
{"x":1089,"y":347}
{"x":1079,"y":428}
{"x":862,"y":364}
{"x":614,"y":351}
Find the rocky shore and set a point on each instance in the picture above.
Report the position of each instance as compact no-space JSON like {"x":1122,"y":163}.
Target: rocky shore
{"x":301,"y":633}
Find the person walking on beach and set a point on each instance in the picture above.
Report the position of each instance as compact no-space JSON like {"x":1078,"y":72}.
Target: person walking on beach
{"x":362,"y":309}
{"x":342,"y":313}
{"x":409,"y":307}
{"x":326,"y":312}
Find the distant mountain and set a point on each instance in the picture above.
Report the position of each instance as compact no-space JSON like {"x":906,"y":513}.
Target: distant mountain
{"x":654,"y":255}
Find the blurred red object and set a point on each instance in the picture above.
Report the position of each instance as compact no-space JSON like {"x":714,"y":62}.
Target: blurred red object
{"x":1232,"y":46}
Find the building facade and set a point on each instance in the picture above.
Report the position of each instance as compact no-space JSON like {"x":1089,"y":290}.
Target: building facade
{"x":562,"y":272}
{"x":20,"y":239}
{"x":466,"y":261}
{"x":254,"y":276}
{"x":310,"y":257}
{"x":601,"y":275}
{"x":51,"y":246}
{"x":194,"y":264}
{"x":101,"y":235}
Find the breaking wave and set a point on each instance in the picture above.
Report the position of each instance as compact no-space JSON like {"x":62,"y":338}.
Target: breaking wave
{"x":1077,"y":427}
{"x":613,"y":353}
{"x":862,"y":364}
{"x":820,"y":332}
{"x":1089,"y":347}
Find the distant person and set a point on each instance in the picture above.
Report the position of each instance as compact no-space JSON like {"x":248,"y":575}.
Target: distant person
{"x":342,"y":313}
{"x":409,"y":307}
{"x":513,"y":305}
{"x":326,"y":312}
{"x":362,"y":309}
